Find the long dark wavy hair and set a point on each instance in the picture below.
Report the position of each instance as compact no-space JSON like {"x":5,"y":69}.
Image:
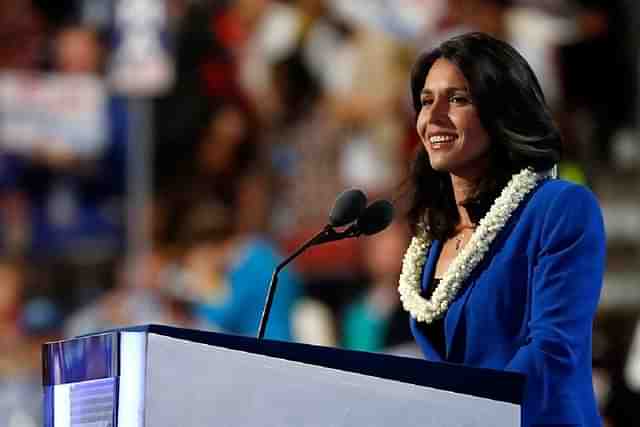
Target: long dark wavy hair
{"x":511,"y":108}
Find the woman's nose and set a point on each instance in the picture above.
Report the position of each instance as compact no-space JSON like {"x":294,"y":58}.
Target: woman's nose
{"x":439,"y":109}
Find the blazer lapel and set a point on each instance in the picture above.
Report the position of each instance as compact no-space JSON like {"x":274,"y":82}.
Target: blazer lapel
{"x":452,"y":317}
{"x":427,"y":275}
{"x":430,"y":265}
{"x":454,"y":314}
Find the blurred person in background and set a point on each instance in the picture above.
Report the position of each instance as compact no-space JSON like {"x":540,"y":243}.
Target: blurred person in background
{"x":227,"y":164}
{"x":224,"y":274}
{"x":210,"y":40}
{"x":474,"y":15}
{"x":71,"y":187}
{"x":299,"y":131}
{"x":22,"y":35}
{"x":559,"y":39}
{"x":11,"y":304}
{"x":619,"y":368}
{"x":23,"y":30}
{"x":230,"y":167}
{"x":498,"y":261}
{"x":26,"y":321}
{"x":595,"y":112}
{"x":126,"y":304}
{"x":375,"y":321}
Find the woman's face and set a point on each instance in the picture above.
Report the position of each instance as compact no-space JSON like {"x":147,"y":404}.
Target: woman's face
{"x":448,"y":123}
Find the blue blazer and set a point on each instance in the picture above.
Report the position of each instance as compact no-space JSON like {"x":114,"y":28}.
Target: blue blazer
{"x":529,"y":305}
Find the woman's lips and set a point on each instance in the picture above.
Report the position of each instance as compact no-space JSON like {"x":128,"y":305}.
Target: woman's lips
{"x":440,"y":140}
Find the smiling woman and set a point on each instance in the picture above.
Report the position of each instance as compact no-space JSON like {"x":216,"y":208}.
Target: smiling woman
{"x":490,"y":90}
{"x":501,"y":252}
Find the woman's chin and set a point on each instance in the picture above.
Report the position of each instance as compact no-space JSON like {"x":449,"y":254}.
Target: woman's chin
{"x":440,"y":166}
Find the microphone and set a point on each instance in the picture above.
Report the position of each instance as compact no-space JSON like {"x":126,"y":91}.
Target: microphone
{"x":348,"y":207}
{"x":375,"y":218}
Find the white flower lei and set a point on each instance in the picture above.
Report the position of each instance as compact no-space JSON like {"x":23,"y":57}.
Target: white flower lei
{"x":424,"y":310}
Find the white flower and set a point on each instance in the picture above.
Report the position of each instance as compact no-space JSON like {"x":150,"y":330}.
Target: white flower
{"x":461,"y":266}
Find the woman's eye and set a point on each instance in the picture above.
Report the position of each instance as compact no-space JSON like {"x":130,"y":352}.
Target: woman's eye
{"x":459,"y":99}
{"x":426,"y":102}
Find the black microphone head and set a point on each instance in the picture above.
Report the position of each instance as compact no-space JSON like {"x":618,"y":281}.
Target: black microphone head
{"x":349,"y":205}
{"x":376,"y":217}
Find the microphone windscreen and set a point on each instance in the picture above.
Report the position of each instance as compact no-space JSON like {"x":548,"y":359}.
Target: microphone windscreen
{"x":348,"y":206}
{"x":376,"y":217}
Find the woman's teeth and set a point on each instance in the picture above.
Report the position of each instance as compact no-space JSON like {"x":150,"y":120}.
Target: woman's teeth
{"x":438,"y":139}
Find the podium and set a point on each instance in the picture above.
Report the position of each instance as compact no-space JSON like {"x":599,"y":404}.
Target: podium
{"x":162,"y":376}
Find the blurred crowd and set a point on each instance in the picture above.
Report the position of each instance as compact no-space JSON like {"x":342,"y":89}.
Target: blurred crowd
{"x":275,"y":107}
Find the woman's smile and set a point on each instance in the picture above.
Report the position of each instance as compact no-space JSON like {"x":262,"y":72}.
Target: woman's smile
{"x":440,"y":141}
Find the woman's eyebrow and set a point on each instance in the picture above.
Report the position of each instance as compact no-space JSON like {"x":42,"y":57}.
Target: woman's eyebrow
{"x":447,"y":90}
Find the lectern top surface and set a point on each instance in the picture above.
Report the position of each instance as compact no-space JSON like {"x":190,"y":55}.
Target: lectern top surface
{"x":99,"y":356}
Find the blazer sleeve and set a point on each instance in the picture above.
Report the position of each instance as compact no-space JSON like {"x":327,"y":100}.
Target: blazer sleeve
{"x":565,"y":289}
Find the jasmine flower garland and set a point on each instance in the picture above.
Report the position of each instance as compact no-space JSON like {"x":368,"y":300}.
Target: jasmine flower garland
{"x":427,"y":311}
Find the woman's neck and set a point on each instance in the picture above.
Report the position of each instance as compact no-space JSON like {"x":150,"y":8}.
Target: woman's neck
{"x":463,"y":188}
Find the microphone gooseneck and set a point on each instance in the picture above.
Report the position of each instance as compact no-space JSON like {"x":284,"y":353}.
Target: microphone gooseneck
{"x":326,"y":235}
{"x":349,"y":207}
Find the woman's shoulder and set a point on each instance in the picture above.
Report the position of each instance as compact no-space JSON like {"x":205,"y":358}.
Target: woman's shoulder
{"x":554,"y":191}
{"x":561,"y":201}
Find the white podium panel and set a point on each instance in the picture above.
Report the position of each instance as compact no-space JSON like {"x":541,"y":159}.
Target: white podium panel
{"x":156,"y":376}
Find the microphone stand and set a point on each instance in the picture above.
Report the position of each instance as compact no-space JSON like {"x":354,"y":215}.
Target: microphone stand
{"x":328,"y":234}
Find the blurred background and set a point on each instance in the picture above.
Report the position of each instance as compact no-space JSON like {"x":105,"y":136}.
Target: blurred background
{"x":158,"y":158}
